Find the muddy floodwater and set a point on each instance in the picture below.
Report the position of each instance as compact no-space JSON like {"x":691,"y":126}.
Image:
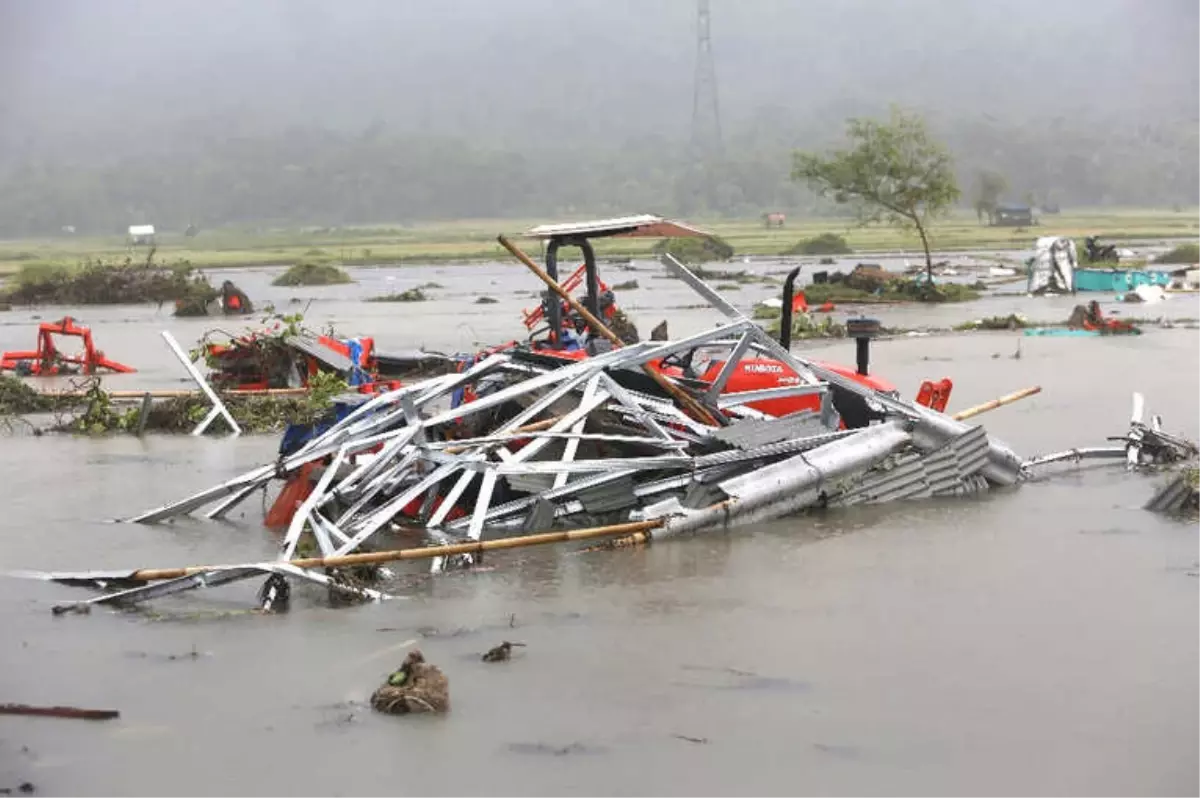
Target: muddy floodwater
{"x":1041,"y":640}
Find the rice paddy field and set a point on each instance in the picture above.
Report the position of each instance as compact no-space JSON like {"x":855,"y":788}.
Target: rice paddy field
{"x":471,"y":240}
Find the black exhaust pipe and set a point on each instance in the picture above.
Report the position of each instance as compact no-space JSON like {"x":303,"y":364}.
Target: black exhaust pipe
{"x":785,"y":312}
{"x":862,"y":330}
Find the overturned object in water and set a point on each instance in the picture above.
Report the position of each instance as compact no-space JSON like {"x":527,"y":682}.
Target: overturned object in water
{"x":47,"y":360}
{"x":1180,"y":495}
{"x":1052,"y":268}
{"x":416,"y":687}
{"x":500,"y":653}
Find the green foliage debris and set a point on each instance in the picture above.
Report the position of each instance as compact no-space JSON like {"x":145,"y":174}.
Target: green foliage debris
{"x":308,"y":272}
{"x":824,"y":244}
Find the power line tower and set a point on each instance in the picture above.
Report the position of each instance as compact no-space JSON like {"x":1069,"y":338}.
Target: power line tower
{"x":706,"y":114}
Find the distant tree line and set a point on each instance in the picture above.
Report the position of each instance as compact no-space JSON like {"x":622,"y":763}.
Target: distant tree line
{"x":310,"y":175}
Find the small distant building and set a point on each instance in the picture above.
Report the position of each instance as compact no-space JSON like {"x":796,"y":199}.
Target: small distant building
{"x":1013,"y":216}
{"x":141,"y":234}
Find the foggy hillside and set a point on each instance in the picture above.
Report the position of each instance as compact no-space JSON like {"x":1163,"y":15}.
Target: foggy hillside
{"x":180,"y":90}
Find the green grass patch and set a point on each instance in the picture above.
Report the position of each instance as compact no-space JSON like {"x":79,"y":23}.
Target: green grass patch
{"x":308,"y":272}
{"x":1184,"y":254}
{"x":695,"y":250}
{"x":824,"y":244}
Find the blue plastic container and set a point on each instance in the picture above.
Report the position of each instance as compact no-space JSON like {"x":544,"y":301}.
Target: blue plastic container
{"x":1118,"y":280}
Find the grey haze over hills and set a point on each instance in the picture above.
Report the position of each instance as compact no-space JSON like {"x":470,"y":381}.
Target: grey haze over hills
{"x":88,"y":83}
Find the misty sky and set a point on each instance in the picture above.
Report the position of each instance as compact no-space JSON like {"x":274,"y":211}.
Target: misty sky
{"x":80,"y":76}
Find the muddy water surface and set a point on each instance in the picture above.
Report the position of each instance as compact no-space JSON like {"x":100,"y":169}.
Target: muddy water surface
{"x":1041,"y":640}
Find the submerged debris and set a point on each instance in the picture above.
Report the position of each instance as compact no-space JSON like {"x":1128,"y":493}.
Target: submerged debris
{"x":17,"y":398}
{"x":1179,"y":495}
{"x":96,"y":412}
{"x":74,"y":713}
{"x":96,"y":282}
{"x":1010,"y":322}
{"x":416,"y":687}
{"x":411,"y":295}
{"x":501,"y":652}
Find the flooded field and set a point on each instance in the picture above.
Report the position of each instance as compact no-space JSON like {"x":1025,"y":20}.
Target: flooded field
{"x":1037,"y":641}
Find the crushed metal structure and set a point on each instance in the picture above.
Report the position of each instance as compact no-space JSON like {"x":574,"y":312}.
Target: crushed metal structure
{"x":545,"y":445}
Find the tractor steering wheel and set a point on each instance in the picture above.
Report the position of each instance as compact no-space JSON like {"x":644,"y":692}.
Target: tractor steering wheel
{"x":681,"y":359}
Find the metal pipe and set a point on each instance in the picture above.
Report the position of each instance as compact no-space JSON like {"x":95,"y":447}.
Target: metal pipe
{"x":785,"y":310}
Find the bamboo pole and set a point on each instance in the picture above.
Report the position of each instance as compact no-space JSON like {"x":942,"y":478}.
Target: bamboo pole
{"x":962,"y":415}
{"x":175,"y":393}
{"x":677,"y":393}
{"x":423,"y":553}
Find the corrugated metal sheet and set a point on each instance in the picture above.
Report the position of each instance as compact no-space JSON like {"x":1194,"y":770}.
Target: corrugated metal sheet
{"x":310,"y":346}
{"x":615,"y":495}
{"x":750,"y":433}
{"x":644,"y":225}
{"x":1174,"y":496}
{"x":947,"y":471}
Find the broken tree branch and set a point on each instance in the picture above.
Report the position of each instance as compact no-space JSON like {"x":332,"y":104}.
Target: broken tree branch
{"x":59,"y":712}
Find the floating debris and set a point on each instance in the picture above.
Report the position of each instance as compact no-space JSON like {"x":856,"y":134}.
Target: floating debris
{"x":95,"y":282}
{"x":74,"y":713}
{"x":416,"y":687}
{"x":411,"y":295}
{"x":500,"y":653}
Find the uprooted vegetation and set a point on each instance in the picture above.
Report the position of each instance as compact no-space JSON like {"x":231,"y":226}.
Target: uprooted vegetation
{"x":17,"y":398}
{"x":96,"y":282}
{"x":1184,"y":254}
{"x":95,"y":412}
{"x":309,"y":272}
{"x":1010,"y":322}
{"x":824,"y":244}
{"x":740,"y":277}
{"x":804,"y":325}
{"x":695,"y":250}
{"x":411,"y":295}
{"x":892,"y":290}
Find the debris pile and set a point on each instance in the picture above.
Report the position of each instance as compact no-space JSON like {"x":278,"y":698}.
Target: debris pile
{"x":529,"y":445}
{"x":416,"y":687}
{"x":282,"y":353}
{"x":96,"y":282}
{"x":520,"y":443}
